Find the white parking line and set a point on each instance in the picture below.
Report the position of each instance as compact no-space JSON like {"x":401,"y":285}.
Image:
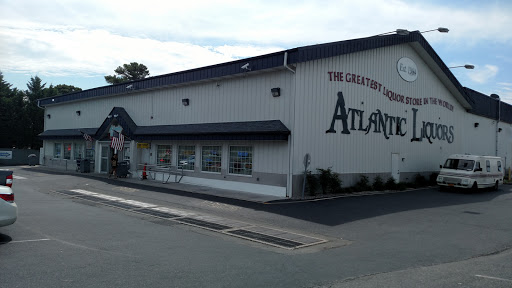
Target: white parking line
{"x":85,"y":192}
{"x":23,"y":241}
{"x":493,"y":278}
{"x":18,"y":177}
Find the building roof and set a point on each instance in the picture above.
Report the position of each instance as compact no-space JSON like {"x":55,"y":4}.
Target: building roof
{"x":250,"y":130}
{"x":68,"y":133}
{"x":489,"y":107}
{"x":276,"y":61}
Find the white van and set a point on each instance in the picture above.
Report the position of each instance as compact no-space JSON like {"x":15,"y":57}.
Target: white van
{"x":471,"y":171}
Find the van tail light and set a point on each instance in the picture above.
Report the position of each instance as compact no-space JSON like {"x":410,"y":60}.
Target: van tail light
{"x":8,"y":181}
{"x":7,"y":197}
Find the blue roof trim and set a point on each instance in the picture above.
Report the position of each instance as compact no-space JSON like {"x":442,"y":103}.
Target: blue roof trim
{"x":268,"y":61}
{"x":122,"y":118}
{"x":67,"y":133}
{"x":250,"y":130}
{"x":488,"y":107}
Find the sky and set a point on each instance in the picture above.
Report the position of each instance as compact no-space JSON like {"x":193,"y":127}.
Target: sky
{"x":79,"y":42}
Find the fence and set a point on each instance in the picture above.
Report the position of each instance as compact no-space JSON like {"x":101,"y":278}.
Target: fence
{"x":10,"y":157}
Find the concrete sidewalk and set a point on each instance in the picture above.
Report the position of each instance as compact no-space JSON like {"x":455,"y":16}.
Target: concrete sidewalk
{"x":170,"y":187}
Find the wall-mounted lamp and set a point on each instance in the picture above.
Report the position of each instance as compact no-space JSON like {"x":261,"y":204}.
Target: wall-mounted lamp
{"x":185,"y":101}
{"x":476,"y":124}
{"x":276,"y":92}
{"x":48,"y":116}
{"x":499,"y":129}
{"x":467,"y":66}
{"x":78,"y":112}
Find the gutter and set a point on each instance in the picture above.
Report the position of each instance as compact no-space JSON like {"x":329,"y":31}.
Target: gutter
{"x":286,"y":61}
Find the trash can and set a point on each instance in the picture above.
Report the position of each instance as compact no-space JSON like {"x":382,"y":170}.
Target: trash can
{"x":32,"y":160}
{"x":78,"y":164}
{"x":85,"y":167}
{"x":122,"y":169}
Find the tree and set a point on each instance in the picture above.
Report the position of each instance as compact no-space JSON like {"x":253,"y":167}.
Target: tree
{"x":64,"y":89}
{"x":34,"y":122}
{"x":128,"y":72}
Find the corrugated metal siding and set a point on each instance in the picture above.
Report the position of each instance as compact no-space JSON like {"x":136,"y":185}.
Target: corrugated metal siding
{"x":258,"y":63}
{"x":369,"y":153}
{"x":242,"y":99}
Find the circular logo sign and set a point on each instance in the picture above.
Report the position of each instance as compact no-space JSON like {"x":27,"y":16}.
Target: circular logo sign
{"x":407,"y":69}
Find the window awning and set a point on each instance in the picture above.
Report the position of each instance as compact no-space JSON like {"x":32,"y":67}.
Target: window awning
{"x":249,"y":130}
{"x":67,"y":133}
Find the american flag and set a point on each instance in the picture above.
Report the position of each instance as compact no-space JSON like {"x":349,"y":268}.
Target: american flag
{"x":87,"y":137}
{"x":117,"y":141}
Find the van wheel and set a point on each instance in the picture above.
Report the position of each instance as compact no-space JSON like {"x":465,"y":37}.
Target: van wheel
{"x":474,"y":187}
{"x":496,"y":186}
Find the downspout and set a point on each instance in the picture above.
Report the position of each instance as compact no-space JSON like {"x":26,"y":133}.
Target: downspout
{"x":499,"y":118}
{"x":291,"y":142}
{"x":44,"y":146}
{"x":285,"y":64}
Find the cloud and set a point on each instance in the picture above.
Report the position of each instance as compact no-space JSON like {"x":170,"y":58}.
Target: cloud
{"x":64,"y":51}
{"x":483,"y":74}
{"x":267,"y":23}
{"x":505,"y":92}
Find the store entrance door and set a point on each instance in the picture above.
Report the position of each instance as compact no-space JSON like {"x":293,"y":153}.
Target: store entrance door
{"x":105,"y":158}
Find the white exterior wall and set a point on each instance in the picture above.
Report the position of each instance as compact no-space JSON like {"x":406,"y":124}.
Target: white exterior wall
{"x":243,"y":98}
{"x":235,"y":99}
{"x":359,"y":152}
{"x":306,"y":106}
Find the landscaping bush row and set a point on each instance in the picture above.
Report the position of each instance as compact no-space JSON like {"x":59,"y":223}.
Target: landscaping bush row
{"x":327,"y":182}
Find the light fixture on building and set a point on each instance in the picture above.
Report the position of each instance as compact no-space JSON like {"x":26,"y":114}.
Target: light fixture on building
{"x":467,"y":66}
{"x":48,"y":116}
{"x":499,"y":129}
{"x":440,"y":29}
{"x":185,"y":101}
{"x":476,"y":124}
{"x":405,"y":32}
{"x":276,"y":92}
{"x":78,"y":112}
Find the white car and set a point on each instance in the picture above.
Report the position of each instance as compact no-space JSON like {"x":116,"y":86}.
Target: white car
{"x":8,"y":209}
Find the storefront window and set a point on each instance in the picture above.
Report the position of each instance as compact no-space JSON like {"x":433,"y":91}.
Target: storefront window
{"x":211,"y":158}
{"x":126,"y":154}
{"x":240,"y":160}
{"x":57,"y":150}
{"x":67,"y":151}
{"x":187,"y":157}
{"x":164,"y":154}
{"x":78,"y":151}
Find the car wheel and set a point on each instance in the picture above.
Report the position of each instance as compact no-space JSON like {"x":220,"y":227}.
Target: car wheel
{"x":496,"y":186}
{"x":474,"y":187}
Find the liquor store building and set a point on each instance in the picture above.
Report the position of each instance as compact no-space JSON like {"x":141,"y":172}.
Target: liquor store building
{"x":383,"y":105}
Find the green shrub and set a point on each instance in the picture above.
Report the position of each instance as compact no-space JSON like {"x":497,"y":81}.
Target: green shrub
{"x":311,"y":184}
{"x":433,"y":178}
{"x":329,"y":181}
{"x":348,"y":190}
{"x":390,"y":184}
{"x":363,"y":184}
{"x":378,"y":184}
{"x":401,"y":186}
{"x":420,"y":180}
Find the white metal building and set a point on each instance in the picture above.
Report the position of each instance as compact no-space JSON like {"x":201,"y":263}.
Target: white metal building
{"x":383,"y":105}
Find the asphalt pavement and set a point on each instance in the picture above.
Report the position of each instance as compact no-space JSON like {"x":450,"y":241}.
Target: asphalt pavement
{"x":390,"y":240}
